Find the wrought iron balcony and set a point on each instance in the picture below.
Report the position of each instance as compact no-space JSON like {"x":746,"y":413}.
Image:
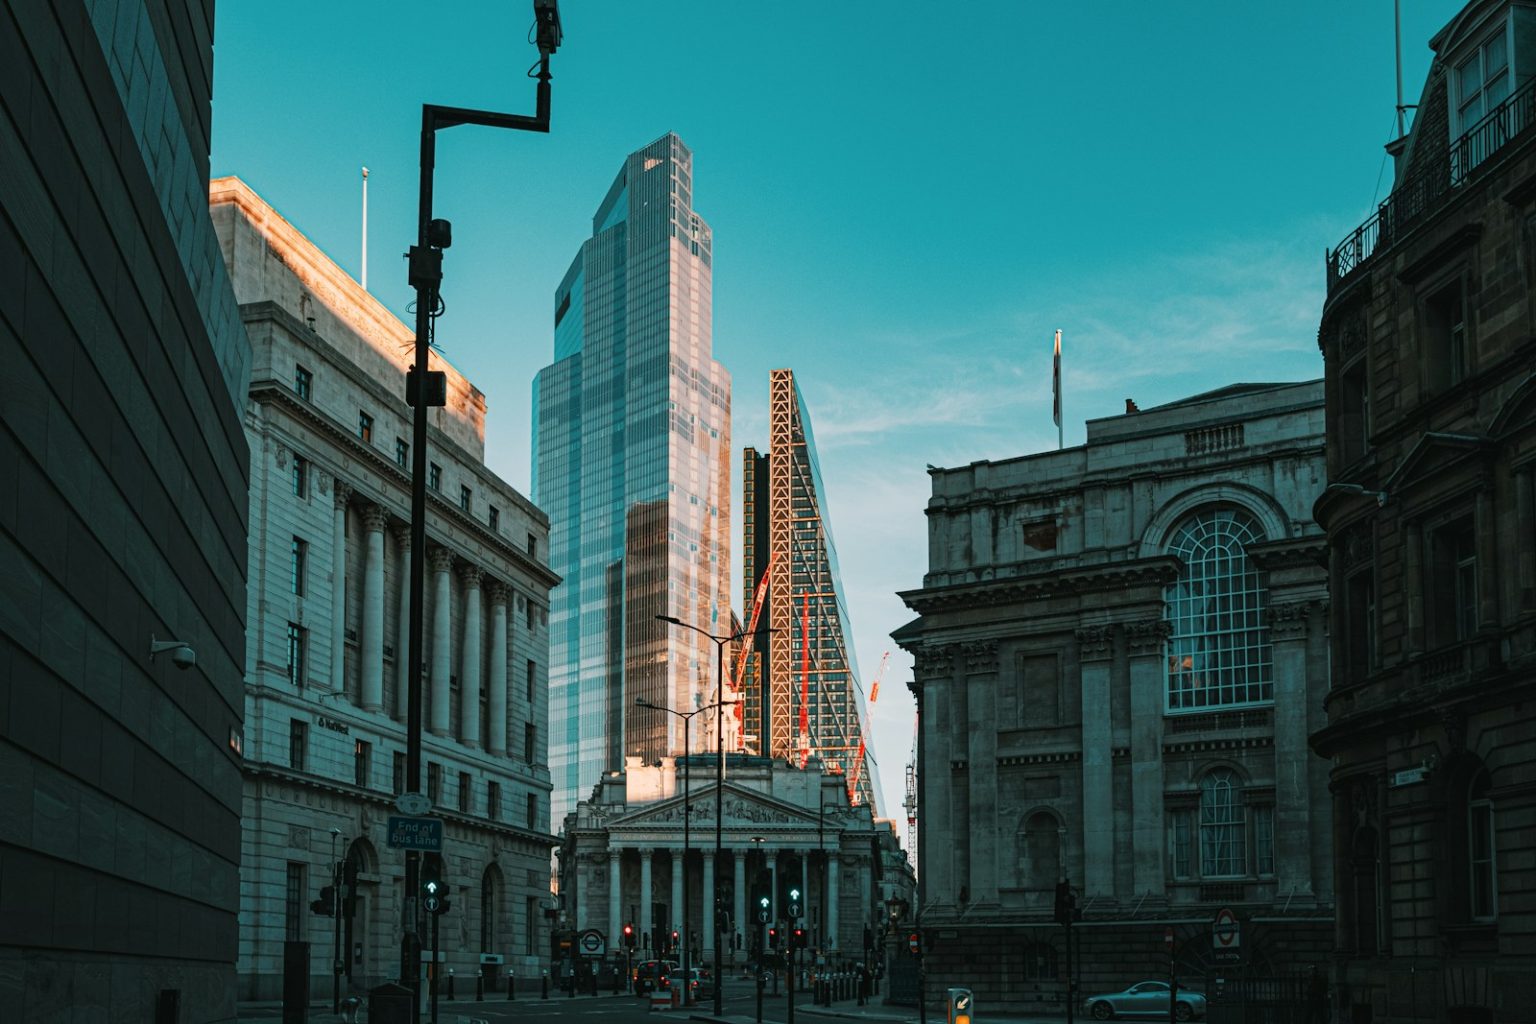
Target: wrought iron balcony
{"x":1426,"y":191}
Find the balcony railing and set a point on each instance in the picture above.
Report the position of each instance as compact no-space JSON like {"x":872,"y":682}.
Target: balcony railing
{"x":1425,"y":192}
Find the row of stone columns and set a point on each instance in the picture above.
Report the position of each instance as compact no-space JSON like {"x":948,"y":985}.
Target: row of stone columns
{"x":371,"y":638}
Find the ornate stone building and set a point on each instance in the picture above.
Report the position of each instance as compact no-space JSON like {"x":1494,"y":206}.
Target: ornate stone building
{"x":1427,"y":336}
{"x":325,"y":693}
{"x":1121,"y":649}
{"x":622,"y":857}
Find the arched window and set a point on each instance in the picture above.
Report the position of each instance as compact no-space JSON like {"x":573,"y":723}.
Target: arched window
{"x":1219,"y":652}
{"x":1223,"y":852}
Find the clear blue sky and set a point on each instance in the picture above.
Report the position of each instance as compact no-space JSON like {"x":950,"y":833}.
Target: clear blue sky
{"x":907,"y":199}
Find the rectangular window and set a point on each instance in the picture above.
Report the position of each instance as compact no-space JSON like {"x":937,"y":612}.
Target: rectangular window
{"x":1445,"y":337}
{"x":362,"y":763}
{"x":298,"y":741}
{"x":495,"y":518}
{"x":1482,"y":83}
{"x":1263,"y":817}
{"x":434,"y":782}
{"x":1360,"y":624}
{"x":1179,"y":843}
{"x":533,"y":546}
{"x":1354,"y":412}
{"x":533,"y":811}
{"x":300,"y":477}
{"x":464,"y":791}
{"x":293,"y":903}
{"x":1453,"y":582}
{"x":303,"y":382}
{"x":464,"y":497}
{"x":298,"y":643}
{"x":297,"y":564}
{"x":493,"y":800}
{"x":531,"y":617}
{"x":530,"y":911}
{"x":533,"y":674}
{"x":364,"y":427}
{"x":435,"y":476}
{"x":1480,"y":860}
{"x":398,"y":774}
{"x":530,"y":736}
{"x":402,"y":453}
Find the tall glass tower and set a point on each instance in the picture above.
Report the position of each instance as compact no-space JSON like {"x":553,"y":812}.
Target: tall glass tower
{"x":631,"y":427}
{"x":802,"y":692}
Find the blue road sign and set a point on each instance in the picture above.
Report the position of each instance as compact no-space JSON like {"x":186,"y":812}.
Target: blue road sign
{"x":416,"y":834}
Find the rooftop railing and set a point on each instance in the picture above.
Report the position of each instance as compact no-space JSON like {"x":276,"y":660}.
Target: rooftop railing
{"x":1426,"y":191}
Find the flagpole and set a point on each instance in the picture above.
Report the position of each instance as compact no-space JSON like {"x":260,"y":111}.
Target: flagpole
{"x":1056,"y":397}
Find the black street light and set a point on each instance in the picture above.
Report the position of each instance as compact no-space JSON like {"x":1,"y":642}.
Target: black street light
{"x":720,"y":642}
{"x":425,"y":388}
{"x":687,"y":717}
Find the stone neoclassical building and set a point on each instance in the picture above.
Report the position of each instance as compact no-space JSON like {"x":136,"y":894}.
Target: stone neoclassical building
{"x":1120,"y":652}
{"x":622,"y":856}
{"x":325,"y":693}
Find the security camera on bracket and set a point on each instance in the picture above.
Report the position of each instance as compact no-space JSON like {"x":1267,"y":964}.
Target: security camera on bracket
{"x":182,"y":655}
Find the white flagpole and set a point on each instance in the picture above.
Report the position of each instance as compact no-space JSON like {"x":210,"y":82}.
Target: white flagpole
{"x":364,"y":280}
{"x":1056,"y":392}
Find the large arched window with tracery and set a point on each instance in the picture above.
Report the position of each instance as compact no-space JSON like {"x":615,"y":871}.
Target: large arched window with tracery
{"x":1219,"y":651}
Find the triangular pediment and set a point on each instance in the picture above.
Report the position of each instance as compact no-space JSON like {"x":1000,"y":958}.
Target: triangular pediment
{"x":1431,"y":455}
{"x":744,"y":809}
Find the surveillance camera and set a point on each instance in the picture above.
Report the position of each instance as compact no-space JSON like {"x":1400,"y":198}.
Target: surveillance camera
{"x":184,"y":657}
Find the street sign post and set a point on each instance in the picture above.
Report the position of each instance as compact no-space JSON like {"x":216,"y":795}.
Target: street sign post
{"x":1226,"y":937}
{"x":592,"y":943}
{"x":415,"y":834}
{"x":913,"y":945}
{"x":412,"y":804}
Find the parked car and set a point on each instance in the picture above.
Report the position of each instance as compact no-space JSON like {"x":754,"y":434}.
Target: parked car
{"x":653,"y":974}
{"x":701,"y":982}
{"x":1146,"y":999}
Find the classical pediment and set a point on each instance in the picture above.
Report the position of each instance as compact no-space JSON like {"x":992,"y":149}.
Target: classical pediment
{"x":744,"y":810}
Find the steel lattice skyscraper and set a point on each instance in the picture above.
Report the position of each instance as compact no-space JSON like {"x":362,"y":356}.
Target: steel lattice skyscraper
{"x":631,"y":427}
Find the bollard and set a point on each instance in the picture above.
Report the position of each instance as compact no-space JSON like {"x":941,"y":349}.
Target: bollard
{"x":759,"y":995}
{"x":546,"y":986}
{"x":511,"y":985}
{"x":479,"y":987}
{"x":450,"y":984}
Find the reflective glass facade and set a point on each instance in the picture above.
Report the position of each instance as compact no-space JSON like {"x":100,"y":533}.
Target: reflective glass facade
{"x":808,"y":660}
{"x":631,"y":462}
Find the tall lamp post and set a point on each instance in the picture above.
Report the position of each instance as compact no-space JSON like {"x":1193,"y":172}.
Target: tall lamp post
{"x":425,"y":388}
{"x":720,"y":642}
{"x":687,"y":717}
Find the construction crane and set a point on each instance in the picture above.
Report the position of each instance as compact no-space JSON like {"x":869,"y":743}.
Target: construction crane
{"x":858,"y":760}
{"x":738,"y":678}
{"x":911,"y":801}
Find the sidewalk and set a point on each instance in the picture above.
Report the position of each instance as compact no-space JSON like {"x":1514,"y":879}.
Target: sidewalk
{"x":873,"y":1012}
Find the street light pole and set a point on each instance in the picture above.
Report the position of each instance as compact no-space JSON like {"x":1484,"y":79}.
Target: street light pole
{"x":719,"y":705}
{"x":424,"y":389}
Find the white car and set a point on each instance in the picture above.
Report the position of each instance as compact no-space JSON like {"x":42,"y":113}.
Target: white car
{"x":1146,"y":999}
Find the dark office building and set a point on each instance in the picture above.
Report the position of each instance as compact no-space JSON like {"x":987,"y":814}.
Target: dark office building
{"x":1431,"y":435}
{"x":123,"y":497}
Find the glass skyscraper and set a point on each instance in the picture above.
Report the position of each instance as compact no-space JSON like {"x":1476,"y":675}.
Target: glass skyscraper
{"x":631,"y":428}
{"x":802,"y":694}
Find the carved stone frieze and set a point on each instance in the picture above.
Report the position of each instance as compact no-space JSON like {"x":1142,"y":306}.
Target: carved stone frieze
{"x":1148,"y":637}
{"x":1289,"y":621}
{"x":980,"y":656}
{"x":471,"y":575}
{"x":298,"y":837}
{"x":1095,"y":643}
{"x":341,"y":494}
{"x":375,"y":518}
{"x":935,"y":661}
{"x":1454,"y":722}
{"x":281,"y":454}
{"x":441,"y":559}
{"x":499,"y":592}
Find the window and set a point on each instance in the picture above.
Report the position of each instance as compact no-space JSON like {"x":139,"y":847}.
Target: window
{"x":303,"y":382}
{"x":493,"y":800}
{"x":298,"y":740}
{"x":293,"y":903}
{"x":533,"y":546}
{"x":488,"y":909}
{"x":465,"y":787}
{"x":402,"y":453}
{"x":362,"y":763}
{"x":1482,"y":82}
{"x":434,"y":781}
{"x":398,"y":775}
{"x":1219,"y":648}
{"x":1263,"y":817}
{"x":1483,"y":891}
{"x":533,"y":674}
{"x":1365,"y":885}
{"x":1178,"y":843}
{"x":435,"y":476}
{"x":531,"y":617}
{"x":533,"y":811}
{"x":297,"y":563}
{"x":1040,"y":962}
{"x":464,"y":496}
{"x":1354,"y":412}
{"x":300,"y":477}
{"x":364,"y":427}
{"x":1360,"y":624}
{"x":1445,"y":337}
{"x":1453,"y":582}
{"x":1039,"y":846}
{"x":298,"y":642}
{"x":529,"y":736}
{"x":495,"y":517}
{"x":1222,"y":853}
{"x":530,"y":926}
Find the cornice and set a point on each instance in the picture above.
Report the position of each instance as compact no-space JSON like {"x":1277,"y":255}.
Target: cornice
{"x":1111,"y":576}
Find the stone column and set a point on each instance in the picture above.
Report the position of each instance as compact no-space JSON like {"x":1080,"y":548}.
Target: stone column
{"x":1095,"y":648}
{"x":372,"y":660}
{"x":442,"y":654}
{"x":340,"y":493}
{"x":981,"y":727}
{"x":1148,"y":642}
{"x":933,"y":666}
{"x":1486,"y":522}
{"x":708,"y":901}
{"x":1525,"y":547}
{"x":678,"y":870}
{"x":647,"y":920}
{"x":615,"y":898}
{"x":1288,"y":629}
{"x":739,"y":911}
{"x":469,"y":660}
{"x":496,"y":702}
{"x":403,"y":627}
{"x":834,"y":869}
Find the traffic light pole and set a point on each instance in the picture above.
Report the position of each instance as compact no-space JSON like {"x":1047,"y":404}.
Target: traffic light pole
{"x":336,"y":904}
{"x":435,"y":919}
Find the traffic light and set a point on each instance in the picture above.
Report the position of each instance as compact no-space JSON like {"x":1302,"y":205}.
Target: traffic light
{"x":674,"y":938}
{"x":764,"y":909}
{"x":773,"y":938}
{"x":629,"y":935}
{"x":1065,"y":902}
{"x":434,"y":894}
{"x":794,"y":902}
{"x":325,"y":906}
{"x":799,"y":939}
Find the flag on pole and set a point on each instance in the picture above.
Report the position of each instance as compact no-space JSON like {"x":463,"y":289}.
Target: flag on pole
{"x":1056,"y":382}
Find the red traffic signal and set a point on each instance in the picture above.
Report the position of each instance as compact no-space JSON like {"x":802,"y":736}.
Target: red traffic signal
{"x":799,"y":938}
{"x":773,"y":938}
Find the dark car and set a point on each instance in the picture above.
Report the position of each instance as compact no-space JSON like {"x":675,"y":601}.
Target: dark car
{"x":653,"y":974}
{"x":1146,"y":999}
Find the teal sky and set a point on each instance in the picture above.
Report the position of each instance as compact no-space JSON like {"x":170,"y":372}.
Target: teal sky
{"x":907,"y":200}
